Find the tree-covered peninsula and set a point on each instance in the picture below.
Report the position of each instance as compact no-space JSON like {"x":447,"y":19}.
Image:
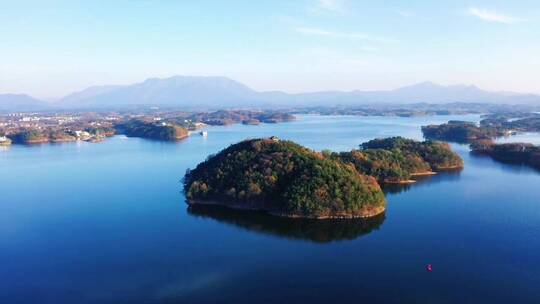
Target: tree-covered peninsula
{"x":517,"y":153}
{"x":396,"y":159}
{"x":41,"y":136}
{"x":285,"y":179}
{"x":491,"y":126}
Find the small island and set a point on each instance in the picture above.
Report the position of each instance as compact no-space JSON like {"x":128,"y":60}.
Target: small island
{"x":285,"y":179}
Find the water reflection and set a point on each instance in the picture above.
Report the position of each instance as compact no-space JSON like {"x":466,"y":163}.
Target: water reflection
{"x":319,"y":231}
{"x":447,"y":175}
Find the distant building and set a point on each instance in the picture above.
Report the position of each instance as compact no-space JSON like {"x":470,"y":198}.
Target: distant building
{"x":82,"y":134}
{"x":274,"y":138}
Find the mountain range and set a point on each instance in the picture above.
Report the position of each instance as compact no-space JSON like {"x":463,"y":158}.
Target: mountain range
{"x":221,"y":92}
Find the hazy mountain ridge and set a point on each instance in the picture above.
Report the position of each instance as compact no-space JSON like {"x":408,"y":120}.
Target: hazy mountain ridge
{"x":173,"y":91}
{"x":222,"y":92}
{"x":21,"y":102}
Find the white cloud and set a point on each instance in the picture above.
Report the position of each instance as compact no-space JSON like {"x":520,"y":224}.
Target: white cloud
{"x":492,"y":16}
{"x":350,"y":36}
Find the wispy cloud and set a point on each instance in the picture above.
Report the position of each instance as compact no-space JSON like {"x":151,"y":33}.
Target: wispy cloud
{"x":492,"y":16}
{"x":344,"y":35}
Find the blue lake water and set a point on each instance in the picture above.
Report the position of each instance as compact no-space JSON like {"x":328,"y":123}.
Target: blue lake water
{"x":107,"y":223}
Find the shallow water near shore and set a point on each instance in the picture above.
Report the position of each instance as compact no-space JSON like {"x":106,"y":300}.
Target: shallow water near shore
{"x":107,"y":223}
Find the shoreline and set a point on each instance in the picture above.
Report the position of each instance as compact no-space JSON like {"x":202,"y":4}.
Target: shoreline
{"x":401,"y":182}
{"x":446,"y":168}
{"x":426,"y":173}
{"x":368,"y":213}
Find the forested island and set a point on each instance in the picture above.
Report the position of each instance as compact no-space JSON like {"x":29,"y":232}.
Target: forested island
{"x":283,"y":178}
{"x":286,"y":179}
{"x":461,"y":132}
{"x":152,"y":130}
{"x":517,"y":153}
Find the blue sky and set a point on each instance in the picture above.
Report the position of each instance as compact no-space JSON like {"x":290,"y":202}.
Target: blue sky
{"x":51,"y":49}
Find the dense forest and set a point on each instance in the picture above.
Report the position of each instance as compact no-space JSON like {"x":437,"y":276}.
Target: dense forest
{"x":152,"y":130}
{"x":283,"y":178}
{"x":492,"y":126}
{"x":396,"y":159}
{"x":227,"y":117}
{"x":100,"y":131}
{"x":41,"y":136}
{"x":461,"y":132}
{"x":526,"y":122}
{"x":519,"y":153}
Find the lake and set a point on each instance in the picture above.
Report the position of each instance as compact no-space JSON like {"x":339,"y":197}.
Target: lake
{"x":108,"y":223}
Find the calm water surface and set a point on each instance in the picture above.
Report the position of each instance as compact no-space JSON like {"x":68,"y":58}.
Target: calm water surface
{"x":108,"y":223}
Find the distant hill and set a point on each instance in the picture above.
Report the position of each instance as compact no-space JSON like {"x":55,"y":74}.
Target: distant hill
{"x":173,"y":91}
{"x":21,"y":102}
{"x":435,"y":93}
{"x":425,"y":92}
{"x":191,"y":92}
